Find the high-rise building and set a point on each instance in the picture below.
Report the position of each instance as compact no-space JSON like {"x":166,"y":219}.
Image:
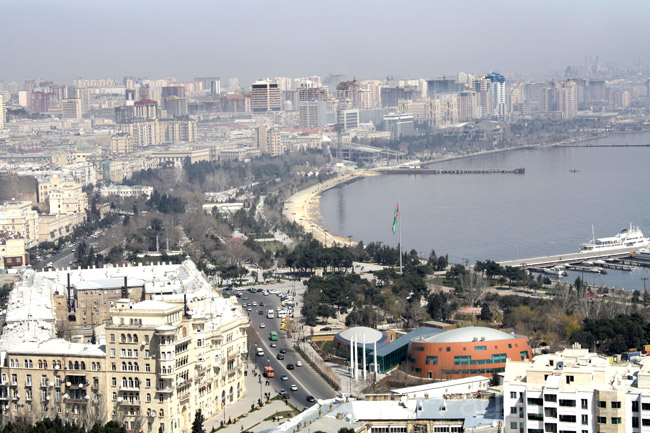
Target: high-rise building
{"x":347,"y":92}
{"x":71,"y":108}
{"x":146,"y":109}
{"x":3,"y":112}
{"x":266,"y":97}
{"x":312,"y":114}
{"x":348,"y":118}
{"x":312,"y":94}
{"x":441,"y":86}
{"x":497,"y":89}
{"x":129,"y":97}
{"x":175,"y":106}
{"x":399,"y":125}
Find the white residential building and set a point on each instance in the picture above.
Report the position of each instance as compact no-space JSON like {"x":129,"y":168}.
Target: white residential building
{"x":578,"y":392}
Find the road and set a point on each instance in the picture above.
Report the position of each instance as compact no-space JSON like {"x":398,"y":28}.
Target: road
{"x":308,"y":381}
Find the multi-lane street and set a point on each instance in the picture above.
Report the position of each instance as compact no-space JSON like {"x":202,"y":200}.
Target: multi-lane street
{"x":305,"y":378}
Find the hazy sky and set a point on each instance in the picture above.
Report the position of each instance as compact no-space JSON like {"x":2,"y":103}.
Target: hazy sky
{"x":64,"y":39}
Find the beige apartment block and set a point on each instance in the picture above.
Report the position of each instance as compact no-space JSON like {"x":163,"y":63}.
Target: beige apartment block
{"x":151,"y":364}
{"x":18,"y":217}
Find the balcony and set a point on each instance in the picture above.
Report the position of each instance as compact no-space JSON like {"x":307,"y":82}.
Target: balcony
{"x":129,"y":402}
{"x":129,"y":388}
{"x":165,"y":390}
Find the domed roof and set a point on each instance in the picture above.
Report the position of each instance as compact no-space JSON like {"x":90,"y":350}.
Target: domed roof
{"x":372,"y":335}
{"x":468,"y":335}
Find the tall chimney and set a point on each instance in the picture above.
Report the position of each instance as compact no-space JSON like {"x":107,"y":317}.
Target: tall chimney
{"x":69,"y":294}
{"x":125,"y":290}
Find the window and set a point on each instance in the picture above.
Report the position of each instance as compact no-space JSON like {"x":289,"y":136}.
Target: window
{"x":420,"y":348}
{"x":584,"y":404}
{"x":568,"y":403}
{"x":147,"y":383}
{"x":551,"y":398}
{"x":535,"y":401}
{"x":616,"y":405}
{"x":645,"y":406}
{"x":161,"y":398}
{"x":535,"y":417}
{"x":567,"y":418}
{"x":585,"y":419}
{"x":635,"y":406}
{"x":112,"y":338}
{"x":570,"y":379}
{"x":635,"y":422}
{"x":645,"y":422}
{"x":616,"y":420}
{"x":480,"y":347}
{"x":513,"y":410}
{"x":513,"y":394}
{"x":513,"y":425}
{"x":148,"y":397}
{"x":602,"y":420}
{"x":432,"y":359}
{"x":523,"y":355}
{"x":448,"y":349}
{"x":112,"y":353}
{"x":113,"y":381}
{"x":147,"y":367}
{"x":602,"y":404}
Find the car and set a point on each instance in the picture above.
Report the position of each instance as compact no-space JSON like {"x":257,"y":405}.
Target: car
{"x":262,"y":325}
{"x":298,"y":363}
{"x":326,"y":328}
{"x":280,"y":356}
{"x":289,"y":366}
{"x":284,"y":377}
{"x":294,"y":388}
{"x":311,"y":398}
{"x":283,"y":350}
{"x":261,"y":304}
{"x":261,"y":312}
{"x":254,"y":304}
{"x":245,"y":297}
{"x":285,"y":394}
{"x":249,"y":309}
{"x":274,"y":344}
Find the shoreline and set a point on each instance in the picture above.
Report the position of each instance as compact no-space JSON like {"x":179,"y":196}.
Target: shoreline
{"x":304,"y":205}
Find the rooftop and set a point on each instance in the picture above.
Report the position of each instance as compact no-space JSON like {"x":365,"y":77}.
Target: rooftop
{"x":469,"y":334}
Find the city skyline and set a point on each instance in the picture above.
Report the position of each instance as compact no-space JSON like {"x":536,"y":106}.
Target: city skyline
{"x":254,"y":40}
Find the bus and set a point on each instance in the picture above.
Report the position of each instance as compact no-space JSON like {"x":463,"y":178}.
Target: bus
{"x":268,"y":372}
{"x":270,"y":314}
{"x":274,"y":336}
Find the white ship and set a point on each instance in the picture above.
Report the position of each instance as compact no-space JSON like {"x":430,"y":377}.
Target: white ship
{"x":627,"y":238}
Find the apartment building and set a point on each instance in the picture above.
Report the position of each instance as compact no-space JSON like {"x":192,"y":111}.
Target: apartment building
{"x":151,"y":366}
{"x":576,"y":391}
{"x":18,"y":217}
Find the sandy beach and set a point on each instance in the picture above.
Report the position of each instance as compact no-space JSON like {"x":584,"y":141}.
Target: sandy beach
{"x":303,"y":207}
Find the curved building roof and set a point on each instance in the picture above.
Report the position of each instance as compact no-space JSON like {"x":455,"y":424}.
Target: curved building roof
{"x":372,"y":335}
{"x":467,"y":335}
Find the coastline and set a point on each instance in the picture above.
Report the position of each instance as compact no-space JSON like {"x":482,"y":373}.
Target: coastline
{"x":304,"y":206}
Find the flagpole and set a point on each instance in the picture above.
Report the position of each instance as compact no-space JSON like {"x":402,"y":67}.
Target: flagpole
{"x":400,"y":242}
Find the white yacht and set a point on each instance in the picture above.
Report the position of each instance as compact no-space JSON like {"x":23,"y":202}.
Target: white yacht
{"x":626,"y":238}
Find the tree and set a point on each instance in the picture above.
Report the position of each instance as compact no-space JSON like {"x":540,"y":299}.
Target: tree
{"x":486,"y":314}
{"x":197,"y":425}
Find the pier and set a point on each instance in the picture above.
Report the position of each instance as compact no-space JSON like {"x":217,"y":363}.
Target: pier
{"x":520,"y":170}
{"x":570,"y":259}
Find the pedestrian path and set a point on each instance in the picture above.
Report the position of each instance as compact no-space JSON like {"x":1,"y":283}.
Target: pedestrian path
{"x":253,"y":421}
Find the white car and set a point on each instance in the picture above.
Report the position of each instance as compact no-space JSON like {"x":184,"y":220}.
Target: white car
{"x":262,"y":325}
{"x":294,"y":388}
{"x":298,"y":363}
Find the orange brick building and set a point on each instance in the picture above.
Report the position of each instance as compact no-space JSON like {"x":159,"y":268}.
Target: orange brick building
{"x":465,"y":352}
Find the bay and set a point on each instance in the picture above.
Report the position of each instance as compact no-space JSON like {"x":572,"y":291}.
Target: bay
{"x":548,"y":210}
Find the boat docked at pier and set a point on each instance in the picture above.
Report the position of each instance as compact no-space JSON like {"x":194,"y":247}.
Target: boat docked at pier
{"x":626,"y":238}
